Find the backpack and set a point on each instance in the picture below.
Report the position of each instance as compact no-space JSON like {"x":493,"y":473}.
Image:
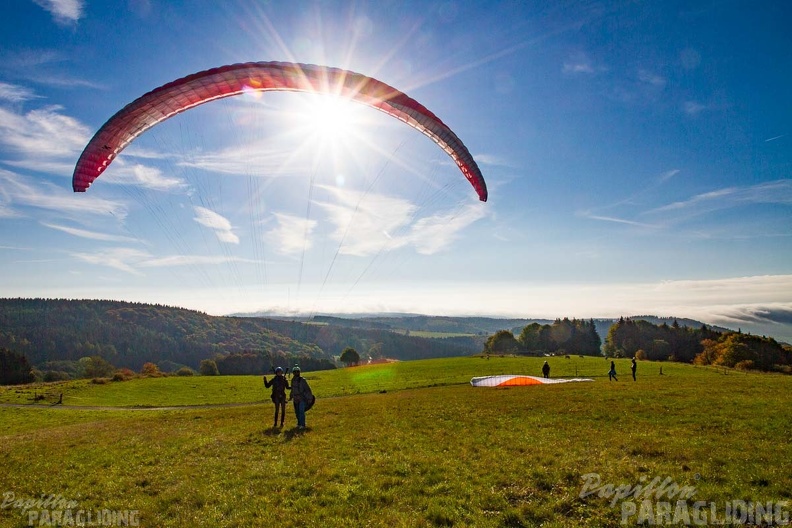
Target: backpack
{"x":310,"y":403}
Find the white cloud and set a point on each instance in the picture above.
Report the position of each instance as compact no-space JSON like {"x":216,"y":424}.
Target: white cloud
{"x":693,"y":108}
{"x":142,"y":175}
{"x":63,"y":11}
{"x":652,"y":78}
{"x":15,"y":93}
{"x":19,"y":192}
{"x":616,"y":220}
{"x":217,"y":223}
{"x":292,"y":234}
{"x":92,"y":235}
{"x":435,"y":233}
{"x":253,"y":158}
{"x":44,"y":133}
{"x":189,"y":260}
{"x":365,"y":223}
{"x":774,"y":192}
{"x":577,"y":67}
{"x":122,"y":259}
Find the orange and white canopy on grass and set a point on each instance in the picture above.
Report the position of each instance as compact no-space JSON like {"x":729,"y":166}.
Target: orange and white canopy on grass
{"x":507,"y":380}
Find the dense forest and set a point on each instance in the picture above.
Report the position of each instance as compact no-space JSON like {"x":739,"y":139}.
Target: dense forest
{"x":54,"y":334}
{"x":703,"y":346}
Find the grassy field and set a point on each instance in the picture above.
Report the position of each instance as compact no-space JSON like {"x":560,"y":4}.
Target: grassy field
{"x":401,"y":444}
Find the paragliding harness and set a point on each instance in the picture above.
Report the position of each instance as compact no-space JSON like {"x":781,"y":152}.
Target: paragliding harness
{"x":307,"y":394}
{"x":279,"y":389}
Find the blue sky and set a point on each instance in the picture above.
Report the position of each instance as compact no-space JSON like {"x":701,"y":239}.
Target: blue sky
{"x":637,"y":156}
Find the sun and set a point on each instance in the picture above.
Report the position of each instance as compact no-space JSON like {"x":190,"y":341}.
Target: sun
{"x":331,"y":120}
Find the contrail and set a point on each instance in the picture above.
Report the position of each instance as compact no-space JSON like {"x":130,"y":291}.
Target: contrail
{"x":774,"y":138}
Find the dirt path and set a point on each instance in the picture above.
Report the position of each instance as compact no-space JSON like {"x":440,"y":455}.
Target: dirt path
{"x":109,"y":408}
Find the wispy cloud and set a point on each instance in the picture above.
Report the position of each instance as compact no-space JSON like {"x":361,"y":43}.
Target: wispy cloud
{"x":254,"y":158}
{"x":92,"y":235}
{"x":693,"y":108}
{"x":364,"y":223}
{"x":63,"y":11}
{"x":436,"y":233}
{"x":44,"y":133}
{"x":143,"y":176}
{"x":20,"y":193}
{"x":122,"y":259}
{"x":291,"y":234}
{"x":16,"y":93}
{"x":189,"y":260}
{"x":367,"y":223}
{"x":133,"y":261}
{"x":581,"y":64}
{"x":775,"y":192}
{"x":654,"y":79}
{"x":616,"y":220}
{"x":668,"y":175}
{"x":219,"y":224}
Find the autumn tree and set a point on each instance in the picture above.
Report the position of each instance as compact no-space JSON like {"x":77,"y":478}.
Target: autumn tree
{"x":349,"y":357}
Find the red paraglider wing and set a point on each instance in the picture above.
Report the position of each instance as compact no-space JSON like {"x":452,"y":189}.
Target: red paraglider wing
{"x":193,"y":90}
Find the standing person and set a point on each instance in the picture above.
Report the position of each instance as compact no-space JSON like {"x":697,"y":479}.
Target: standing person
{"x":612,"y":372}
{"x":546,"y":370}
{"x":301,"y":394}
{"x":279,"y":385}
{"x":634,"y":367}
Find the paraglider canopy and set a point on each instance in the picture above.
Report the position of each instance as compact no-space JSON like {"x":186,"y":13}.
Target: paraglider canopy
{"x":202,"y":87}
{"x":518,"y":381}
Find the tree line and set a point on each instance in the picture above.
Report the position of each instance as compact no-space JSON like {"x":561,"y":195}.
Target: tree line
{"x":702,"y":346}
{"x":563,"y":336}
{"x":63,"y":339}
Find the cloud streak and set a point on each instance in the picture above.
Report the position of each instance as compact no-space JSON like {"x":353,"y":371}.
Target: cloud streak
{"x":42,"y":133}
{"x":219,"y":224}
{"x":774,"y":192}
{"x":91,"y":235}
{"x":20,"y":193}
{"x":15,"y":93}
{"x":63,"y":11}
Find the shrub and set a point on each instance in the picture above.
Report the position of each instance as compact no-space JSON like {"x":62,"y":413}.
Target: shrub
{"x":208,"y":368}
{"x":185,"y":371}
{"x":151,"y":370}
{"x":99,"y":381}
{"x":123,"y":374}
{"x":56,"y":375}
{"x":745,"y":365}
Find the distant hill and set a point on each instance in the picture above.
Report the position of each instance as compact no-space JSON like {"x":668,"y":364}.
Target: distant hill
{"x":483,"y":326}
{"x":131,"y":334}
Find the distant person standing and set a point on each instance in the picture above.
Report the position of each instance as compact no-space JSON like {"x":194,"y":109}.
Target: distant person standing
{"x":546,"y":370}
{"x":612,"y":372}
{"x":634,"y":367}
{"x":279,"y":386}
{"x":301,"y":395}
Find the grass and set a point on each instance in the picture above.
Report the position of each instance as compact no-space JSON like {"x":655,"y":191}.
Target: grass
{"x":430,"y":451}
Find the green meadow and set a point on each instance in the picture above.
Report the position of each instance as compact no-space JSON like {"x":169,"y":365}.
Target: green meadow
{"x":399,"y":444}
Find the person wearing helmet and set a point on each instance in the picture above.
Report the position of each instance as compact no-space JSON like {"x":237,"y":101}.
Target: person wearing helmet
{"x":301,"y":394}
{"x":279,"y":385}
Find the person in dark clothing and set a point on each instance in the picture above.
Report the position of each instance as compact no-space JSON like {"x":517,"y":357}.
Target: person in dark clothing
{"x":301,"y":394}
{"x":634,"y":367}
{"x":279,"y":385}
{"x":546,"y":370}
{"x":612,"y":372}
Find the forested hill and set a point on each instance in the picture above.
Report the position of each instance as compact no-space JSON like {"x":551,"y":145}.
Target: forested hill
{"x":131,"y":334}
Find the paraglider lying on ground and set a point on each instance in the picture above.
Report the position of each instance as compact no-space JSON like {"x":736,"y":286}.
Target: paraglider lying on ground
{"x":196,"y":89}
{"x":517,"y":381}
